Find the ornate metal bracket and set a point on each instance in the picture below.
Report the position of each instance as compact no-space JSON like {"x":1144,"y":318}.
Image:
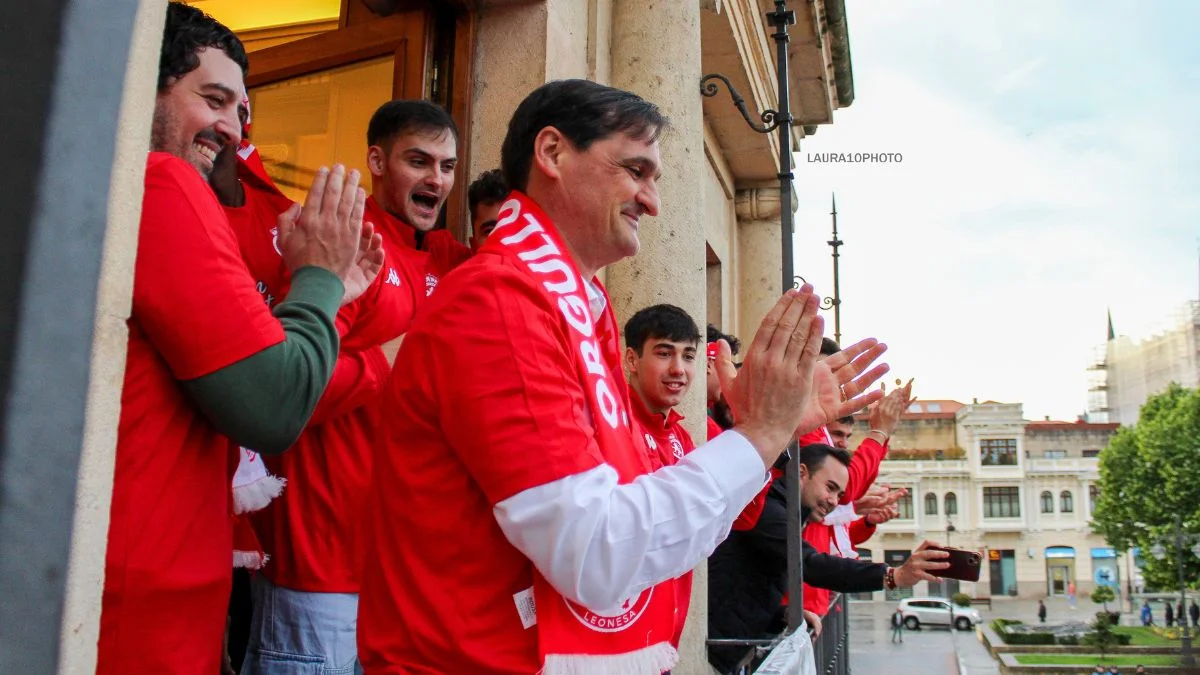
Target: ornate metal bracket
{"x":826,"y":302}
{"x":771,"y":119}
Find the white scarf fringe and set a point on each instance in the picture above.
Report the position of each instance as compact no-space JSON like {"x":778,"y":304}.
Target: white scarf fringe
{"x":251,"y":560}
{"x":254,"y":496}
{"x":652,"y":660}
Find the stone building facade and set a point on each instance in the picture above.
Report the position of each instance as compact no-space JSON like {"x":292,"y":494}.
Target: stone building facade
{"x":1021,"y":493}
{"x":319,"y":67}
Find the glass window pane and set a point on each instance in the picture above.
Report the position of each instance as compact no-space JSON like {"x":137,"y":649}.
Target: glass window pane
{"x":320,"y":119}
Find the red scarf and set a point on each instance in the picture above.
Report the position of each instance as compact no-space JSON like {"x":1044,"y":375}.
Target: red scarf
{"x":632,"y":638}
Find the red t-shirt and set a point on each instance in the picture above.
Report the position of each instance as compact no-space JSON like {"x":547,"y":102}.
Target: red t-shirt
{"x":312,"y":530}
{"x":195,"y":310}
{"x":667,"y":438}
{"x":483,"y":404}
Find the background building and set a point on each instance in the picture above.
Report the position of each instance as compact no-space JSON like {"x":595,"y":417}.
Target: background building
{"x":1021,"y":493}
{"x":1129,"y":372}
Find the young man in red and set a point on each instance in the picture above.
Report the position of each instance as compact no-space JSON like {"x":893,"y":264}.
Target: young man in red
{"x":412,"y":155}
{"x":516,"y":522}
{"x":208,"y":365}
{"x":661,"y":344}
{"x":306,"y":599}
{"x":484,"y":198}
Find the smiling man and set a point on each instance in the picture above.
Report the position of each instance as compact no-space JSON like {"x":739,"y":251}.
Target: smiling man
{"x":661,"y":345}
{"x":208,"y":365}
{"x":517,"y":521}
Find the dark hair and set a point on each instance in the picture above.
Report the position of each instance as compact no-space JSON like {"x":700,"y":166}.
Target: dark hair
{"x":715,"y":334}
{"x":188,"y":30}
{"x":404,"y":116}
{"x":666,"y":322}
{"x":584,"y":111}
{"x":829,"y":347}
{"x":813,"y":456}
{"x":489,"y":188}
{"x":848,"y":419}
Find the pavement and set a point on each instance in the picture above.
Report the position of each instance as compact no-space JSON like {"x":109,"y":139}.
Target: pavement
{"x":939,"y":651}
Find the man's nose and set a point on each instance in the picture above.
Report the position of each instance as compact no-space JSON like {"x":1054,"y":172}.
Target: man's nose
{"x":648,"y":199}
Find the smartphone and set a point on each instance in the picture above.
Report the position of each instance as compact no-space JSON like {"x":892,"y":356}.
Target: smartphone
{"x":964,"y":565}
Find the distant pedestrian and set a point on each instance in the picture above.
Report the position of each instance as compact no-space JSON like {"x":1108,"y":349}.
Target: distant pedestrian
{"x":1180,"y":617}
{"x":898,"y":626}
{"x":1169,"y":615}
{"x":1113,"y":670}
{"x":1041,"y":611}
{"x":1071,"y":594}
{"x":1194,"y":612}
{"x":1147,"y":614}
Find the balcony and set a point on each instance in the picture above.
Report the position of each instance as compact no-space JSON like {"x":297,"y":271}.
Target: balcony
{"x":930,"y":467}
{"x":1065,"y":465}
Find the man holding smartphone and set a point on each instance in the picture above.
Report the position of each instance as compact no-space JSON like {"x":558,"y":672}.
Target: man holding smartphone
{"x":748,"y":571}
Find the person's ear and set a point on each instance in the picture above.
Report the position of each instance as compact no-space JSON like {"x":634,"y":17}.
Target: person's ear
{"x":631,"y":360}
{"x":550,"y":149}
{"x":376,"y":160}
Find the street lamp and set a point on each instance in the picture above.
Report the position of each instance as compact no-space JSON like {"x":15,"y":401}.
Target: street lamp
{"x":1159,"y":552}
{"x":949,"y":528}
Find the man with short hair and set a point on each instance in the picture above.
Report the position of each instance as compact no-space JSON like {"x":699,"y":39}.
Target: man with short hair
{"x":747,"y":575}
{"x":209,"y":366}
{"x":840,"y":431}
{"x":484,"y":198}
{"x":412,"y":155}
{"x":539,"y":537}
{"x":661,"y":343}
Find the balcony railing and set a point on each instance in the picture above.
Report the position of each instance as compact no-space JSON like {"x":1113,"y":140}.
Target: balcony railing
{"x":1062,"y":465}
{"x":935,"y":467}
{"x":830,"y":652}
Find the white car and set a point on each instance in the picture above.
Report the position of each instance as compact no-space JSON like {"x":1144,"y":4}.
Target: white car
{"x":919,"y":612}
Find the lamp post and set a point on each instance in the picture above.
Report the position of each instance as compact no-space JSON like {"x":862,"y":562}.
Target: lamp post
{"x":1159,"y":552}
{"x":781,"y":121}
{"x":949,"y":528}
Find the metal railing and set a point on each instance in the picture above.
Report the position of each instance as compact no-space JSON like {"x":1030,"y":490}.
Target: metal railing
{"x":831,"y":649}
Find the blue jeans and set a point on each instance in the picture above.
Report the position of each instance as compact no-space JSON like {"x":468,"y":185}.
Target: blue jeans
{"x":300,"y":633}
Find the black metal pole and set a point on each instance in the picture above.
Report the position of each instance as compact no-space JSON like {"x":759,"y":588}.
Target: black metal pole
{"x":1185,"y":637}
{"x":836,"y":243}
{"x":781,"y":18}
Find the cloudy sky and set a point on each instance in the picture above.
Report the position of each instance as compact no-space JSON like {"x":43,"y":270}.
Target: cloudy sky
{"x":1051,"y":170}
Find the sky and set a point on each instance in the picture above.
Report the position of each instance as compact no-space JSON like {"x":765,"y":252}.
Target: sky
{"x":1050,"y":172}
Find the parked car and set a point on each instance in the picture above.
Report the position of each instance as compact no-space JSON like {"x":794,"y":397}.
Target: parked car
{"x":919,"y":612}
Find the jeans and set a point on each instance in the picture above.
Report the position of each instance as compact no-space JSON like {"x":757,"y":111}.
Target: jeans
{"x":301,"y":633}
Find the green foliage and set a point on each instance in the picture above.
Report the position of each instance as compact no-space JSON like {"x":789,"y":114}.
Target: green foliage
{"x":1147,"y":476}
{"x":1001,"y":628}
{"x":1102,"y":636}
{"x":961,"y":599}
{"x":1102,"y":595}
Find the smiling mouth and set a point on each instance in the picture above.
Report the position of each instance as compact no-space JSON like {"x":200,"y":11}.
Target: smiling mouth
{"x":205,"y":151}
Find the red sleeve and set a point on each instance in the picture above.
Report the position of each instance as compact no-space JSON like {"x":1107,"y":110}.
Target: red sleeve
{"x":358,"y":378}
{"x":864,"y":469}
{"x":192,"y":293}
{"x":749,"y":516}
{"x":534,"y":428}
{"x":714,"y":429}
{"x":860,"y":531}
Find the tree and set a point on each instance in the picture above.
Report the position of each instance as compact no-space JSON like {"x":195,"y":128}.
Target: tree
{"x":1103,"y":595}
{"x":1149,"y":473}
{"x":1102,"y":636}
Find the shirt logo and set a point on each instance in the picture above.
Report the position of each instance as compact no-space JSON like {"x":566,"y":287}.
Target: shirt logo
{"x":275,"y":240}
{"x":431,"y":282}
{"x":393,"y":278}
{"x":650,"y":442}
{"x":676,"y":446}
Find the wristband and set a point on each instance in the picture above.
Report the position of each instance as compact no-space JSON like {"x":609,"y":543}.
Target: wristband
{"x":886,"y":436}
{"x":889,"y":579}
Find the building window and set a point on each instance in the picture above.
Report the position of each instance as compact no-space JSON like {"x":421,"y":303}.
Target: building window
{"x":1047,"y":502}
{"x":1067,"y":502}
{"x":998,"y":452}
{"x":930,"y":504}
{"x":904,"y":504}
{"x":1056,"y":454}
{"x":1091,"y":453}
{"x":1001,"y":502}
{"x":951,"y":504}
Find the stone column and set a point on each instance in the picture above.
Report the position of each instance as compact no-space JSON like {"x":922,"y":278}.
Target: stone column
{"x":655,"y":53}
{"x":760,"y":260}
